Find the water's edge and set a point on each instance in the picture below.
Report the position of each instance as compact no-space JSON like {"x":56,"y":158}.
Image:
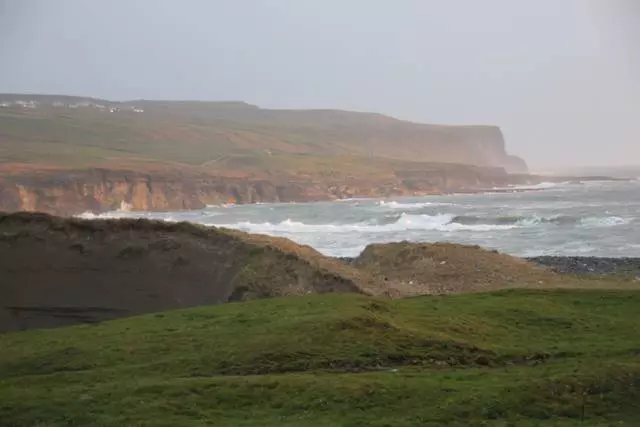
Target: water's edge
{"x":580,"y":265}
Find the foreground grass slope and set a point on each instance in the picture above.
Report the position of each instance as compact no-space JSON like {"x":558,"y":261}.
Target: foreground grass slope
{"x":509,"y":358}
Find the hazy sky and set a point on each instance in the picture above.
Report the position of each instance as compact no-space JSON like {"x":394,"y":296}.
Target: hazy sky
{"x":561,"y":77}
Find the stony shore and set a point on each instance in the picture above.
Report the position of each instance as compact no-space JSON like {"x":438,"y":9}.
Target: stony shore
{"x":584,"y":265}
{"x":590,"y":265}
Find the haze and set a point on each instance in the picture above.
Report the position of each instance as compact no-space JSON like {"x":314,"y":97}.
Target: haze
{"x":559,"y":76}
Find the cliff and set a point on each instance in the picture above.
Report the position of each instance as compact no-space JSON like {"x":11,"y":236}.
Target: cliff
{"x":198,"y":132}
{"x":70,"y":192}
{"x":71,"y":154}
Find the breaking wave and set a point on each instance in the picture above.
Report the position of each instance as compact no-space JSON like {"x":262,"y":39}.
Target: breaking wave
{"x":531,"y":220}
{"x":541,"y":186}
{"x":438,"y":222}
{"x":608,"y":221}
{"x":192,"y":216}
{"x":410,"y":206}
{"x":106,"y":215}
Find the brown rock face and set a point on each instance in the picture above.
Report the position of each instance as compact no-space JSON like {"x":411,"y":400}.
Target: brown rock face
{"x":99,"y":190}
{"x":184,"y":155}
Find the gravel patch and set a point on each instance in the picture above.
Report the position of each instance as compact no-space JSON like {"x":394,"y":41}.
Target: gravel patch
{"x":590,"y":265}
{"x":582,"y":265}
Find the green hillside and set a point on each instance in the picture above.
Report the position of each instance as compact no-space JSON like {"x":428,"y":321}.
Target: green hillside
{"x":73,"y":132}
{"x":509,"y":358}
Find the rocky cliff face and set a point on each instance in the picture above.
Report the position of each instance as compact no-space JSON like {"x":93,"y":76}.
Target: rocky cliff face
{"x":476,"y":145}
{"x":99,"y":190}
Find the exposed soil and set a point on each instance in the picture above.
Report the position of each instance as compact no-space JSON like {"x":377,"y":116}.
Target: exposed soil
{"x":418,"y":269}
{"x":59,"y":272}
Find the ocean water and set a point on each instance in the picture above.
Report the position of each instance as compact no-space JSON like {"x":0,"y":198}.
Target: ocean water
{"x":586,"y":219}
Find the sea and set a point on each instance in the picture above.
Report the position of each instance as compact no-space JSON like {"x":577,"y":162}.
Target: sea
{"x":566,"y":219}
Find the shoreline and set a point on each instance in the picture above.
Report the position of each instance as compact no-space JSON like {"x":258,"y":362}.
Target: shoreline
{"x":525,"y":188}
{"x":578,"y":265}
{"x":585,"y":265}
{"x":99,"y":190}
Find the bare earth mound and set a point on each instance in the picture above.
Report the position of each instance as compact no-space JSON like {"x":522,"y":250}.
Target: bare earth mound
{"x":59,"y":271}
{"x":418,"y":269}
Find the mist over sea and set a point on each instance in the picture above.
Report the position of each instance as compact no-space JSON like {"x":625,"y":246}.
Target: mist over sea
{"x":580,"y":219}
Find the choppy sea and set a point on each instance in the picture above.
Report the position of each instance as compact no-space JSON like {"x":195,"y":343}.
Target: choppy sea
{"x":585,"y":219}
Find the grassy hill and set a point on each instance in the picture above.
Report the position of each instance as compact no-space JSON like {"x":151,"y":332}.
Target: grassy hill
{"x":207,"y":135}
{"x":512,"y":358}
{"x":67,"y":155}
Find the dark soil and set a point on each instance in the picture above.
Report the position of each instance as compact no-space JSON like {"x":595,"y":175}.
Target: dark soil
{"x":57,"y":272}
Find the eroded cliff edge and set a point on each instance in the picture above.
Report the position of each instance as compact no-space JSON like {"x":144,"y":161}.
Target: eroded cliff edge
{"x":100,"y":190}
{"x":66,"y":155}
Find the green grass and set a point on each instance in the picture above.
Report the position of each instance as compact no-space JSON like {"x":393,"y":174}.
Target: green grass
{"x":509,"y":358}
{"x":198,"y":135}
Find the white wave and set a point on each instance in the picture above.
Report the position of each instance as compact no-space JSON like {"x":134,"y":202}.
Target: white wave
{"x":440,"y":222}
{"x":409,"y":206}
{"x":541,"y":186}
{"x":608,"y":221}
{"x":125,"y":214}
{"x":561,"y":250}
{"x":105,"y":215}
{"x":534,"y":220}
{"x":352,"y":199}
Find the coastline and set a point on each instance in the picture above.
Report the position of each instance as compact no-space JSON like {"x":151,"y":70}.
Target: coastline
{"x":597,"y":266}
{"x":624,"y":267}
{"x":100,"y":190}
{"x":335,"y":229}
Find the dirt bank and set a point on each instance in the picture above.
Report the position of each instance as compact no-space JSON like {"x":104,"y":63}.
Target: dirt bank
{"x":59,"y":272}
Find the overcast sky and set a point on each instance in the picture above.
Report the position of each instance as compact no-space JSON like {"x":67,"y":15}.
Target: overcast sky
{"x":561,"y":77}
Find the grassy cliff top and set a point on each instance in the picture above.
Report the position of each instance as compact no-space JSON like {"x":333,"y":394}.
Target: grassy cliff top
{"x":225,"y":136}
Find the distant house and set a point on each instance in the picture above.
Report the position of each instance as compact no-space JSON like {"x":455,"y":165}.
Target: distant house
{"x":5,"y":105}
{"x":26,"y":104}
{"x":138,"y":110}
{"x":58,"y":104}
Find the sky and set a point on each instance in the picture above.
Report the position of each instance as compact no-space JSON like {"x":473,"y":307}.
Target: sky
{"x":560,"y":77}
